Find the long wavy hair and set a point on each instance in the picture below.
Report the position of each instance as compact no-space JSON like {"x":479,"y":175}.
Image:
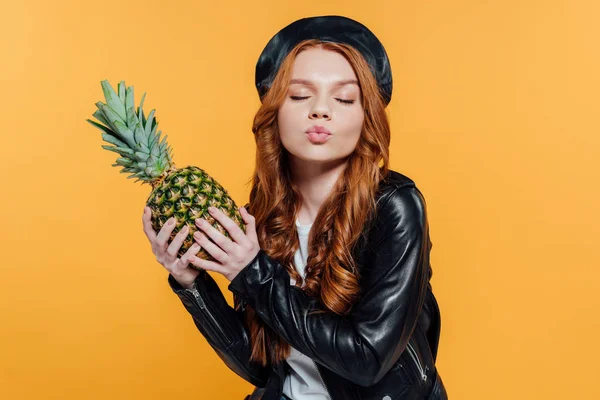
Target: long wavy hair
{"x":331,"y":275}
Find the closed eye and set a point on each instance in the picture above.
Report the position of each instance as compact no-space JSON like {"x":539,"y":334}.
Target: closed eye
{"x":299,"y":98}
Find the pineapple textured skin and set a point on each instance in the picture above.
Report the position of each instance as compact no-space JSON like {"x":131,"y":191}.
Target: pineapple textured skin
{"x":186,"y":193}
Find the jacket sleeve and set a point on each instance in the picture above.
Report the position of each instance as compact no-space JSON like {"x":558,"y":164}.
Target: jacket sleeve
{"x":363,"y":345}
{"x":222,"y":326}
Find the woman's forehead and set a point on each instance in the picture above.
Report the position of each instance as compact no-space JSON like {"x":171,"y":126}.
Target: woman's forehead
{"x":321,"y":69}
{"x":335,"y":83}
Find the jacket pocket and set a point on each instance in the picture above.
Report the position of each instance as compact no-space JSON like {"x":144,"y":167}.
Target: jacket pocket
{"x":417,"y":360}
{"x":396,"y":384}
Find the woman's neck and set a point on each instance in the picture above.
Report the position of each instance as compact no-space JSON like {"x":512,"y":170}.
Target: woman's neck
{"x":315,"y":183}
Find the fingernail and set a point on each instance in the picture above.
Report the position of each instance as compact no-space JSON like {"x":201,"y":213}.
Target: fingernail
{"x":171,"y":221}
{"x":211,"y":209}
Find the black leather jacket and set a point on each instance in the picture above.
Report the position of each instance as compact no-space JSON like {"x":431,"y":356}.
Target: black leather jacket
{"x":384,"y":349}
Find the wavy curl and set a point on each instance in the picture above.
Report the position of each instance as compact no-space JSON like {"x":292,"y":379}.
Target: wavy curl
{"x":331,"y":274}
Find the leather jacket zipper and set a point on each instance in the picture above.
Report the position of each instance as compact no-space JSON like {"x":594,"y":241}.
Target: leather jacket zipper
{"x":216,"y":326}
{"x":323,"y":380}
{"x":413,"y":353}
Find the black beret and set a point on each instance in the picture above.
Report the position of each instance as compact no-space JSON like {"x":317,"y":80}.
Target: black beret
{"x":330,"y":28}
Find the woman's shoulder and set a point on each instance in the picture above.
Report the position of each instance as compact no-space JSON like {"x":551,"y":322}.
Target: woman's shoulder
{"x":394,"y":179}
{"x":391,"y":184}
{"x":398,"y":198}
{"x":400,"y":211}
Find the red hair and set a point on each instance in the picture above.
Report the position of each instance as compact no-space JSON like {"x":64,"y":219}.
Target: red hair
{"x":331,"y":273}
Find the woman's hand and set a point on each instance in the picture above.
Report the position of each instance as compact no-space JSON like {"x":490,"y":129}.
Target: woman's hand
{"x":167,"y":256}
{"x":232,"y":256}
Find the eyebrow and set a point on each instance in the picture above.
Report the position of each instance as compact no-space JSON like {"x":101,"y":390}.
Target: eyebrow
{"x":337,"y":84}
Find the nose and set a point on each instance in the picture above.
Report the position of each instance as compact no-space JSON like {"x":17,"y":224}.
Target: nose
{"x":317,"y":115}
{"x":320,"y":109}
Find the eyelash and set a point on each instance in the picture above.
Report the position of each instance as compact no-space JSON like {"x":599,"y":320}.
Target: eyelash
{"x":299,"y":98}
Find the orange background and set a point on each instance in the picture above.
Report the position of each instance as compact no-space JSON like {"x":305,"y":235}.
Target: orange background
{"x":494,"y":115}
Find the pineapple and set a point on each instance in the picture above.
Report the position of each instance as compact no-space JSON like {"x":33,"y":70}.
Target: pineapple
{"x":184,"y":193}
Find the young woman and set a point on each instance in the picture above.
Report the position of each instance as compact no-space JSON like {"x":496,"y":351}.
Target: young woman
{"x":330,"y":281}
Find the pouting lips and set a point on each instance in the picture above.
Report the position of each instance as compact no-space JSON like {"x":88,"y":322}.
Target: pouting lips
{"x":315,"y":137}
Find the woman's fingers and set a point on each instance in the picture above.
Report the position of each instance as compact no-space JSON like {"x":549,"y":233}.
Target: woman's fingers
{"x":207,"y":265}
{"x":146,"y":220}
{"x":232,"y":228}
{"x":165,"y":233}
{"x":202,"y":239}
{"x":250,"y":224}
{"x":177,"y":241}
{"x":185,"y":258}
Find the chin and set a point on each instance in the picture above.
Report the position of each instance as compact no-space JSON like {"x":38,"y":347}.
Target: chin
{"x":317,"y":158}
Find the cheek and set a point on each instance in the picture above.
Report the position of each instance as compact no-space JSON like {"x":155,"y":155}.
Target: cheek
{"x":287,"y":123}
{"x":283,"y":118}
{"x":289,"y":120}
{"x":353,"y":122}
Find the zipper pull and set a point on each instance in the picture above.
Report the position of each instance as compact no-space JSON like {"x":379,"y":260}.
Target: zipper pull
{"x":194,"y":291}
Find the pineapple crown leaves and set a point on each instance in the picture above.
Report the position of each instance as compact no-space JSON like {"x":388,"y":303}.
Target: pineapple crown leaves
{"x":134,"y":137}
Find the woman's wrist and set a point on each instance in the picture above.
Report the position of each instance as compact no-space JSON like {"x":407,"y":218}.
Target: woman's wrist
{"x":185,"y":284}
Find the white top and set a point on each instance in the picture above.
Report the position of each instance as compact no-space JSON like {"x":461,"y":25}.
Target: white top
{"x":303,"y":382}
